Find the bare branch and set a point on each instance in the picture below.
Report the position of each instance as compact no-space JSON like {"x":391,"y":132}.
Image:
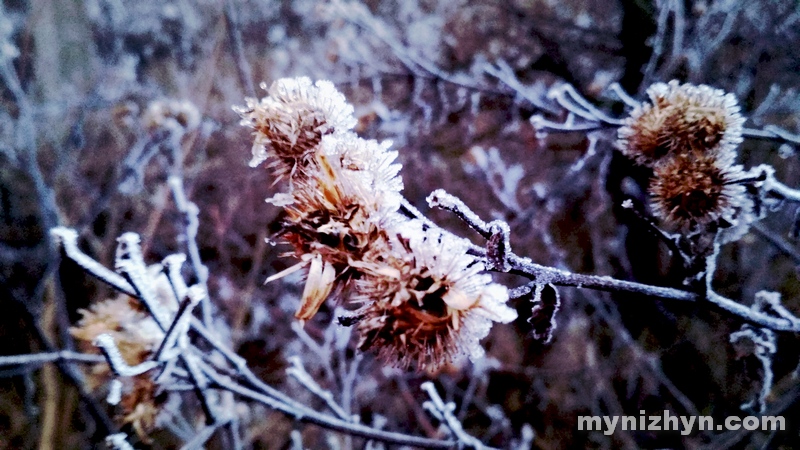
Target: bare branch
{"x":190,"y":212}
{"x":444,"y":412}
{"x":298,"y":372}
{"x":305,"y":414}
{"x":115,"y":360}
{"x":36,"y":359}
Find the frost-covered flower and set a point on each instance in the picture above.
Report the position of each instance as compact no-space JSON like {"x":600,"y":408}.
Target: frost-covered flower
{"x":133,"y":329}
{"x":167,"y":113}
{"x":425,"y":301}
{"x":334,"y":217}
{"x":369,"y":160}
{"x":291,"y":120}
{"x":680,"y":118}
{"x":691,"y":188}
{"x":136,"y":335}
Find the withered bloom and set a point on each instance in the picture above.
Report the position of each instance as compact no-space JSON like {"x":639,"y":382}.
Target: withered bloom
{"x":421,"y":300}
{"x":691,"y":188}
{"x":425,"y":301}
{"x":682,"y":118}
{"x":290,"y":122}
{"x":160,"y":113}
{"x":333,"y":218}
{"x":368,"y":160}
{"x":137,"y":336}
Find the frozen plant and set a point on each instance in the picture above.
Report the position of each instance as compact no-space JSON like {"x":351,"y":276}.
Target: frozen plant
{"x":419,"y":299}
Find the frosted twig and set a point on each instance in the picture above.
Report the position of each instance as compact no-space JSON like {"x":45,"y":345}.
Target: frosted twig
{"x":520,"y":291}
{"x":441,"y":199}
{"x":765,"y":301}
{"x":541,"y":124}
{"x":526,"y":440}
{"x":778,"y":188}
{"x":444,"y":412}
{"x":665,"y":7}
{"x":118,"y":441}
{"x":190,"y":212}
{"x":36,"y":359}
{"x":765,"y":347}
{"x":496,"y":232}
{"x":591,"y":150}
{"x":115,"y":360}
{"x":786,"y":321}
{"x":677,"y":243}
{"x":68,"y":239}
{"x":172,"y":268}
{"x":236,"y":437}
{"x":202,"y":436}
{"x":298,"y":372}
{"x":129,"y":261}
{"x":359,"y":15}
{"x":297,"y":440}
{"x":305,"y":414}
{"x":624,"y":96}
{"x":549,"y":275}
{"x":114,"y":392}
{"x":176,"y":334}
{"x":503,"y":72}
{"x":572,"y":101}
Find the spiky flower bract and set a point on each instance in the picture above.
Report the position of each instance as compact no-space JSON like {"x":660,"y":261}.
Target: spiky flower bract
{"x":681,"y":118}
{"x":369,"y":160}
{"x":426,"y":302}
{"x":690,"y":189}
{"x":291,"y":120}
{"x":335,"y":217}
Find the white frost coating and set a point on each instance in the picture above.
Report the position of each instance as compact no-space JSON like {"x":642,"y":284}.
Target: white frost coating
{"x":115,"y":360}
{"x":764,"y":347}
{"x":477,"y":300}
{"x":114,"y":392}
{"x":370,"y":159}
{"x":286,"y":98}
{"x":118,"y":441}
{"x":697,"y":97}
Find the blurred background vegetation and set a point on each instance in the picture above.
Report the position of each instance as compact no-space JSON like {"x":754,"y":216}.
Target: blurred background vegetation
{"x":77,"y":151}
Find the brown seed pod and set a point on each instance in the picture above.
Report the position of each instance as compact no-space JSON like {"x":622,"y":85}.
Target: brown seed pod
{"x":680,"y":119}
{"x":692,"y":188}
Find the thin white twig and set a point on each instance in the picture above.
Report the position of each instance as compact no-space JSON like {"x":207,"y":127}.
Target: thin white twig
{"x":119,"y":441}
{"x":114,"y":358}
{"x":298,"y":372}
{"x":444,"y":412}
{"x":190,"y":213}
{"x":35,"y":359}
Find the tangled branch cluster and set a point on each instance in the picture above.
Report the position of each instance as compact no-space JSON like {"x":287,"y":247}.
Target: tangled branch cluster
{"x":417,"y":298}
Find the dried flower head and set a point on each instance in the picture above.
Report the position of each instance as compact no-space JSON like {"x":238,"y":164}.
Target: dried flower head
{"x":335,"y":217}
{"x":369,"y":160}
{"x":682,"y":118}
{"x":168,"y":113}
{"x":289,"y":123}
{"x":137,"y":336}
{"x":691,"y":188}
{"x":425,"y":301}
